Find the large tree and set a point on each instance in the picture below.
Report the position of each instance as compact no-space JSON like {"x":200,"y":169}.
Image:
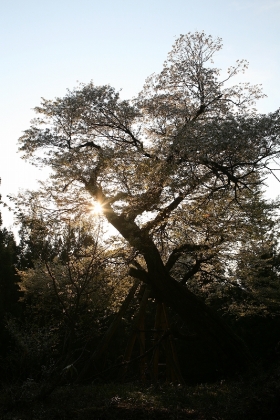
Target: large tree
{"x":189,"y":147}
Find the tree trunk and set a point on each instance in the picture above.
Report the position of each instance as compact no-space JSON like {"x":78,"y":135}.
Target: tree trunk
{"x":202,"y":320}
{"x":230,"y":350}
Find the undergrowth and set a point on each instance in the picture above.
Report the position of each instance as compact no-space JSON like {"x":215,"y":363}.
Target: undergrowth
{"x":252,"y":397}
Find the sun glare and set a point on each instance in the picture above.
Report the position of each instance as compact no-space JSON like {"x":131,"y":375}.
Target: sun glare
{"x":96,"y":208}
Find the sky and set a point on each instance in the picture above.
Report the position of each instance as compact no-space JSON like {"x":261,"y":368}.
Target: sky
{"x":47,"y":46}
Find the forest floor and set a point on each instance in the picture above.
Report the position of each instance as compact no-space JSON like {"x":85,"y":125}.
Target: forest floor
{"x":251,"y":397}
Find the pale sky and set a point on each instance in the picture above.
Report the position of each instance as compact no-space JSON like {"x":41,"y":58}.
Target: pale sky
{"x":46,"y":46}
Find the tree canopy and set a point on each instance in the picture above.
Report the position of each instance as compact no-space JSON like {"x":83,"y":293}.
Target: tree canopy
{"x":175,"y":170}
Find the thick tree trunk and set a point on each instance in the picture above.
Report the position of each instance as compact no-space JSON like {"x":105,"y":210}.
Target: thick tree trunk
{"x":201,"y":319}
{"x":230,"y":351}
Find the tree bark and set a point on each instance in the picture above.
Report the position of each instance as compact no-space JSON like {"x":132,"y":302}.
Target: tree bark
{"x":201,"y":319}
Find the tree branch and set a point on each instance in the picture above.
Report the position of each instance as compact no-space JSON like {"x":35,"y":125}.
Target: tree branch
{"x":163,"y":214}
{"x":89,"y":144}
{"x":177,"y":252}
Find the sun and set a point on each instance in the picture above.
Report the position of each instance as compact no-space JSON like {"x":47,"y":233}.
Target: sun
{"x":96,"y":208}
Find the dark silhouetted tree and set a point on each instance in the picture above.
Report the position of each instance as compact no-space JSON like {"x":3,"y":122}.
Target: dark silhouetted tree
{"x":186,"y":143}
